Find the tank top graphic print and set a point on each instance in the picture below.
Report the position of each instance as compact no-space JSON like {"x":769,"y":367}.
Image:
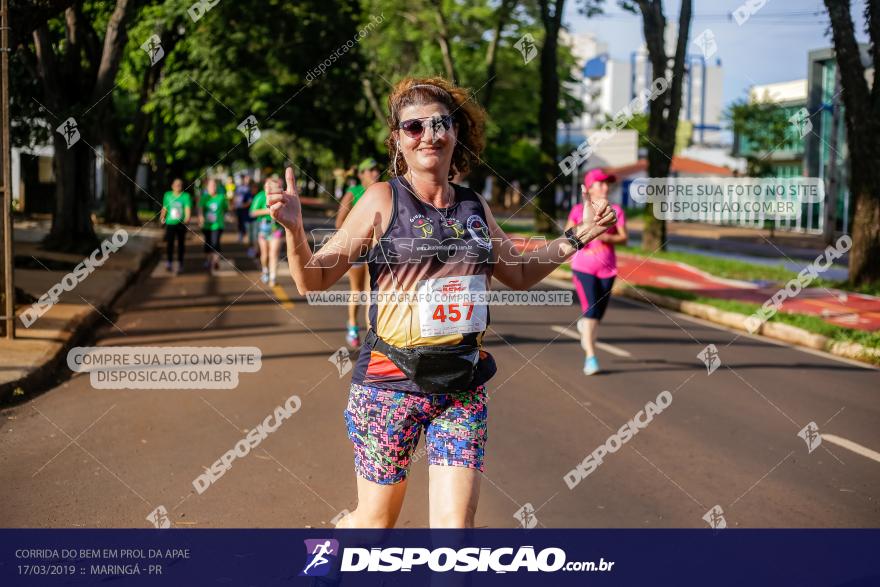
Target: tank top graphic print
{"x":425,"y":254}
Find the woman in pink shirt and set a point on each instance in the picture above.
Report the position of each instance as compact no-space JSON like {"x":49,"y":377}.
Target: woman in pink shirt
{"x":595,"y":266}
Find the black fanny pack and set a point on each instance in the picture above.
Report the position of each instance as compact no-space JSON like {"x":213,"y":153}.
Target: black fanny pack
{"x":436,"y":369}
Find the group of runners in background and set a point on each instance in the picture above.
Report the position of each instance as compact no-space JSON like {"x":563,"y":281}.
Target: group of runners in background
{"x":263,"y":235}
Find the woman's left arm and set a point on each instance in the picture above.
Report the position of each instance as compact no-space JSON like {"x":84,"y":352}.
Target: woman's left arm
{"x":523,"y":269}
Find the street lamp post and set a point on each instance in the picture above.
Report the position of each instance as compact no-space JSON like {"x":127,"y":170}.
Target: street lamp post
{"x":7,"y":323}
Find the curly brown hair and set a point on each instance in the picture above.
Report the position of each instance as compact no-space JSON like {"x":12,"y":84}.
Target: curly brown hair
{"x":470,"y":117}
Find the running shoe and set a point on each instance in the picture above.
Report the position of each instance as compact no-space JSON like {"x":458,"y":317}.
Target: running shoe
{"x":169,"y":267}
{"x":591,"y":366}
{"x":272,"y":281}
{"x":265,"y":276}
{"x":353,"y":338}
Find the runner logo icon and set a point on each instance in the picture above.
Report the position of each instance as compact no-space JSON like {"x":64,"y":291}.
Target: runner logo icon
{"x":321,"y":555}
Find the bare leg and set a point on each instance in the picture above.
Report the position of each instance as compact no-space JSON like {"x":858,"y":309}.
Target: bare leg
{"x":264,"y":253}
{"x":355,"y":281}
{"x":378,"y":505}
{"x":453,"y":495}
{"x":588,"y":335}
{"x":274,"y":253}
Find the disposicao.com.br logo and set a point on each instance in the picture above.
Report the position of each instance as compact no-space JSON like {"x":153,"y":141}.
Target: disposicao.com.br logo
{"x":322,"y":554}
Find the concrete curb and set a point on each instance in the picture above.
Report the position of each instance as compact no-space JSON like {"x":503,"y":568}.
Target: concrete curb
{"x":775,"y":330}
{"x":44,"y":373}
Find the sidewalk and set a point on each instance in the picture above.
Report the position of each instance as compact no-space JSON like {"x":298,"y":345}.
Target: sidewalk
{"x":29,"y":361}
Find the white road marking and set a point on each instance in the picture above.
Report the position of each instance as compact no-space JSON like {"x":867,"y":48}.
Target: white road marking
{"x":852,"y":446}
{"x":604,"y":346}
{"x":678,"y":283}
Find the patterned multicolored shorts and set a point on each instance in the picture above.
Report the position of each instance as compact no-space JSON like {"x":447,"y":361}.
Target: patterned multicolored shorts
{"x":385,"y":426}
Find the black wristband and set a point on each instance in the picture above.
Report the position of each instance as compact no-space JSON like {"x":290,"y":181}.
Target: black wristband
{"x":573,"y":239}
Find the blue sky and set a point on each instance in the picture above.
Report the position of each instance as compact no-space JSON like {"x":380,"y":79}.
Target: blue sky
{"x":771,"y":46}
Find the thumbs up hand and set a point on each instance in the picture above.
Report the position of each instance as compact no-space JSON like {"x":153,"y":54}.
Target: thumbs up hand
{"x":598,"y":217}
{"x":284,"y":206}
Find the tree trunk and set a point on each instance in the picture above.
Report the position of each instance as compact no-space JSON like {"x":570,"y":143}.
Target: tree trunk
{"x":665,"y":108}
{"x":659,"y":164}
{"x":492,"y":52}
{"x":862,"y":110}
{"x":78,"y":72}
{"x":654,"y":231}
{"x":119,"y":190}
{"x":372,"y":101}
{"x":443,"y":40}
{"x":864,"y":257}
{"x":71,"y":222}
{"x":548,"y":115}
{"x":864,"y":267}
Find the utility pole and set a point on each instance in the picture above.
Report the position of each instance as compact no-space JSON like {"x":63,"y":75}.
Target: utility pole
{"x":7,"y":320}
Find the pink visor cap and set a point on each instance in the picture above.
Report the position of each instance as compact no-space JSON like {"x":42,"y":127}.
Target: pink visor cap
{"x":595,"y":175}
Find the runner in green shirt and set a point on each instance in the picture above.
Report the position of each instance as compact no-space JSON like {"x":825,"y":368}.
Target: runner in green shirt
{"x":359,"y":279}
{"x":270,"y":234}
{"x":213,"y":206}
{"x":176,"y":208}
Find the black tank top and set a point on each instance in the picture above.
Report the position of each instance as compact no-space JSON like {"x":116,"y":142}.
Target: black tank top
{"x":426,"y":250}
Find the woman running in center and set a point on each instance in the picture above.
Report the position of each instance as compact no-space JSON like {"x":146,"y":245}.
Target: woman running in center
{"x":421,"y":368}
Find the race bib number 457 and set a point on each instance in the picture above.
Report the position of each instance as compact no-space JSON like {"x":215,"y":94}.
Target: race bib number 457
{"x":445,"y":307}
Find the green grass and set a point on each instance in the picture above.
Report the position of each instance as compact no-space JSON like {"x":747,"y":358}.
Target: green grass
{"x":810,"y":323}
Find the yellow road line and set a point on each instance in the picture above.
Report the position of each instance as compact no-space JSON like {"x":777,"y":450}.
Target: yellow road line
{"x":282,"y":296}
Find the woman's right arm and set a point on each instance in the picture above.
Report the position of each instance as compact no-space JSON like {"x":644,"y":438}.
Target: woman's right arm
{"x":319,"y":270}
{"x":344,"y":208}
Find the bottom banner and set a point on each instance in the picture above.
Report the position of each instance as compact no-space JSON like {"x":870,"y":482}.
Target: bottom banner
{"x":440,"y":557}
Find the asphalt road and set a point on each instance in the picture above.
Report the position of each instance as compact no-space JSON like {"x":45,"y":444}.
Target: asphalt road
{"x":83,"y":457}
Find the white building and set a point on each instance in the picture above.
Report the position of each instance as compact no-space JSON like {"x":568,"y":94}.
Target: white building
{"x":783,"y":93}
{"x":607,"y":85}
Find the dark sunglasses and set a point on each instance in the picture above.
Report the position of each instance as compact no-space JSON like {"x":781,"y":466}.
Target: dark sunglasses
{"x":414,"y":127}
